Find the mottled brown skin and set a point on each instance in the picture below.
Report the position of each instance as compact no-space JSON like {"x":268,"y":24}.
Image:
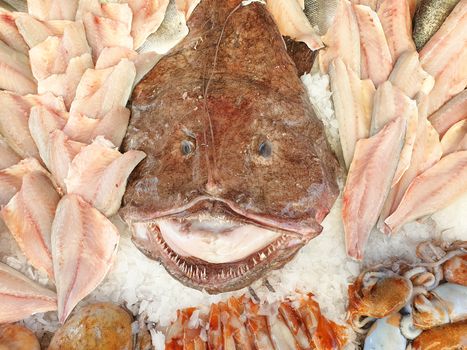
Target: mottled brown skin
{"x":226,"y":89}
{"x":447,"y":337}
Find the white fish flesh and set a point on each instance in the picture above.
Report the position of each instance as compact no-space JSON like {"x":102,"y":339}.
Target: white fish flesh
{"x":455,"y":139}
{"x":452,"y":112}
{"x":22,"y":297}
{"x":342,"y":39}
{"x":368,"y":183}
{"x":53,"y":9}
{"x":9,"y":33}
{"x":81,"y":257}
{"x":376,"y":60}
{"x":432,"y":190}
{"x":15,"y":71}
{"x":29,"y":215}
{"x":8,"y":157}
{"x":99,"y":174}
{"x":353,"y":101}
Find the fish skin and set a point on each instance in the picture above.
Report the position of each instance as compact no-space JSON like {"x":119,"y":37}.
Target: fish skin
{"x":320,"y":13}
{"x":429,"y":17}
{"x":82,"y":259}
{"x":432,"y":190}
{"x":53,"y":9}
{"x":20,"y":297}
{"x":14,"y":5}
{"x":8,"y":157}
{"x":450,"y":113}
{"x":15,"y":72}
{"x":30,"y":223}
{"x":455,"y":139}
{"x":368,"y":183}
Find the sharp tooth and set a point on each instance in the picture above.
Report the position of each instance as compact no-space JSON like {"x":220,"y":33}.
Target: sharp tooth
{"x":254,"y":261}
{"x":262,"y":256}
{"x":231,"y":273}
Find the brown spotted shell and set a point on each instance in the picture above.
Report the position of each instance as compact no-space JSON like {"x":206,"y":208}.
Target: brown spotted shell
{"x":16,"y":337}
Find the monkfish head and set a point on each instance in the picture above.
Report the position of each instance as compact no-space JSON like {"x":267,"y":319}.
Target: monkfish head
{"x":238,"y":174}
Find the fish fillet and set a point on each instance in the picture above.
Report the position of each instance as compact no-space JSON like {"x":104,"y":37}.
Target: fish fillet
{"x":445,"y":57}
{"x":61,"y":151}
{"x":8,"y":157}
{"x":99,"y":174}
{"x":353,"y":100}
{"x":397,"y":25}
{"x":53,"y":9}
{"x":11,"y":178}
{"x":20,"y":297}
{"x":455,"y":139}
{"x":376,"y":60}
{"x":450,"y":113}
{"x":81,"y":256}
{"x":9,"y":33}
{"x":15,"y":72}
{"x":186,"y":6}
{"x":101,"y":90}
{"x":368,"y":183}
{"x":370,"y":3}
{"x":292,"y":22}
{"x":29,"y":216}
{"x":432,"y":190}
{"x":342,"y":39}
{"x":111,"y":126}
{"x":409,"y":76}
{"x":35,"y":31}
{"x":390,"y":103}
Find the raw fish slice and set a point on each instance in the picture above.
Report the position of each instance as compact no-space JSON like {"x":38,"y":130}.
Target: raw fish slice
{"x":295,"y":324}
{"x":35,"y":31}
{"x":281,"y":335}
{"x":65,"y":84}
{"x":389,"y":104}
{"x":20,"y":297}
{"x":292,"y":22}
{"x":83,"y":256}
{"x":101,"y":90}
{"x":408,"y":75}
{"x":53,"y":9}
{"x":15,"y":72}
{"x":11,"y":178}
{"x":368,"y":183}
{"x":9,"y":33}
{"x":215,"y":337}
{"x":54,"y":54}
{"x":342,"y":39}
{"x":375,"y":55}
{"x":449,"y":114}
{"x":112,"y":126}
{"x":61,"y":151}
{"x":397,"y":25}
{"x":188,"y":6}
{"x":29,"y":216}
{"x":353,"y":99}
{"x":455,"y":138}
{"x":41,"y":123}
{"x":99,"y":174}
{"x":445,"y":57}
{"x":147,"y":17}
{"x":8,"y":157}
{"x":432,"y":190}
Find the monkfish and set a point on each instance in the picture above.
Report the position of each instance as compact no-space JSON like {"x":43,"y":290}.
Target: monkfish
{"x":238,"y":174}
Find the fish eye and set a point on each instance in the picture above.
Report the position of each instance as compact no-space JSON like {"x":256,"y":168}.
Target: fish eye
{"x":265,"y":149}
{"x":187,"y":147}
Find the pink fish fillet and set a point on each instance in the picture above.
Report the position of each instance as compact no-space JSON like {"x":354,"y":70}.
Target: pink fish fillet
{"x":99,"y":174}
{"x":112,"y":126}
{"x":15,"y":72}
{"x":8,"y":157}
{"x":53,"y":9}
{"x":100,"y":90}
{"x":445,"y":57}
{"x":84,"y":244}
{"x":376,"y":58}
{"x":455,"y":139}
{"x":11,"y":178}
{"x":368,"y":183}
{"x":342,"y":39}
{"x":29,"y":216}
{"x":449,"y":114}
{"x":370,"y":3}
{"x":353,"y":101}
{"x":397,"y":25}
{"x":292,"y":22}
{"x":390,"y":103}
{"x":188,"y":6}
{"x":409,"y":76}
{"x":20,"y":297}
{"x":9,"y":33}
{"x":432,"y":190}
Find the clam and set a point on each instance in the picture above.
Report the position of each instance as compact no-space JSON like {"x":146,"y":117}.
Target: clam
{"x":102,"y":326}
{"x":16,"y":337}
{"x":447,"y":337}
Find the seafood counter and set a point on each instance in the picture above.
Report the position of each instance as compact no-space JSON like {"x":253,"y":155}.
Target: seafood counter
{"x":211,"y":143}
